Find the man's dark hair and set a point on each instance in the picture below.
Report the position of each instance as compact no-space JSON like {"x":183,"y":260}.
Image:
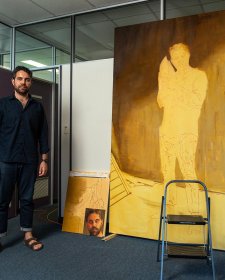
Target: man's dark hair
{"x":21,"y":68}
{"x":90,"y":211}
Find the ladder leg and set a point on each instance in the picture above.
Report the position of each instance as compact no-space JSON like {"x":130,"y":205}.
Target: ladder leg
{"x":209,"y":247}
{"x":160,"y":228}
{"x":163,"y":236}
{"x":162,"y":253}
{"x":211,"y":255}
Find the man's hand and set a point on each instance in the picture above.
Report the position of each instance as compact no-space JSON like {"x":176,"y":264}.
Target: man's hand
{"x":43,"y":168}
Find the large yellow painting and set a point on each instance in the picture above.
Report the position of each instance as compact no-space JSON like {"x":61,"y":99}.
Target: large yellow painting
{"x":168,"y":123}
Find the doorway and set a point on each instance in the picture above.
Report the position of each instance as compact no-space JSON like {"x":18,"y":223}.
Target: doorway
{"x":48,"y":93}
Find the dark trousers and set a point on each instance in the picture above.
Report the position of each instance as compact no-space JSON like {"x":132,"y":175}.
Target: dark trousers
{"x":24,"y":176}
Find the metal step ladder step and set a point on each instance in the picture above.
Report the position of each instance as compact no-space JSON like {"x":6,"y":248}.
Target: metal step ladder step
{"x":186,"y":219}
{"x":182,"y":251}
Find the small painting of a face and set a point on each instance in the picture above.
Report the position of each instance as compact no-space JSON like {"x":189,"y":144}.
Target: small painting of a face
{"x":94,"y":221}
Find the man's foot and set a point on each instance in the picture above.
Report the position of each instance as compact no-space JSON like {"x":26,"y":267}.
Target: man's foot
{"x":32,"y":242}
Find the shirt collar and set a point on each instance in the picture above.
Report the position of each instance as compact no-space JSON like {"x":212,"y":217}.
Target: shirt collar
{"x":29,"y":97}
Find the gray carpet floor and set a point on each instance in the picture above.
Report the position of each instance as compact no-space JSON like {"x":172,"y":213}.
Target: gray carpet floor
{"x":68,"y":256}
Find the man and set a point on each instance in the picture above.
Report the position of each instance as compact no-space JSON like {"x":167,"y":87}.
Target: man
{"x":23,"y":127}
{"x":94,"y":220}
{"x":182,"y":91}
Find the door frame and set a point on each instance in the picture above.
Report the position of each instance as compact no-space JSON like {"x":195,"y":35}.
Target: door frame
{"x":55,"y":155}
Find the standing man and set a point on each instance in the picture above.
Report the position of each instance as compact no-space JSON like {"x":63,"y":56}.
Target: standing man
{"x":23,"y":132}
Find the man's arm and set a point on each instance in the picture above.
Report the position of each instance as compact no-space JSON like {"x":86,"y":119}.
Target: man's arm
{"x":166,"y":72}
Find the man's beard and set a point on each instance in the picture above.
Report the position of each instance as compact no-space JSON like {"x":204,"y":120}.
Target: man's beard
{"x":95,"y":231}
{"x":21,"y":90}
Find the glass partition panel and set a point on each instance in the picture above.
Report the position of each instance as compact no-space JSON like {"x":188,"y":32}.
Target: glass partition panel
{"x":55,"y":34}
{"x":62,"y":57}
{"x":46,"y":75}
{"x":35,"y":58}
{"x":31,"y":52}
{"x":5,"y":45}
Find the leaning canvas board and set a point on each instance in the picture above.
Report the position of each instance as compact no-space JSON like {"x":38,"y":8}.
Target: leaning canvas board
{"x":91,"y":120}
{"x":86,"y":195}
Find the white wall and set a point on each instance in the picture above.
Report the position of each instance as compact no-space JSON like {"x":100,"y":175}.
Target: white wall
{"x":65,"y":133}
{"x":91,"y":119}
{"x":92,"y":115}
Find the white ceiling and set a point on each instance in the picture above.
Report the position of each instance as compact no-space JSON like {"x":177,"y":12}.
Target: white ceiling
{"x":15,"y":12}
{"x":94,"y":31}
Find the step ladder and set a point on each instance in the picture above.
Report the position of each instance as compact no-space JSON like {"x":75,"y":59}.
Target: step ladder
{"x":172,"y":249}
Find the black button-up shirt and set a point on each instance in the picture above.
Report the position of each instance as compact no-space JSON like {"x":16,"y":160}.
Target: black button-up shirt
{"x":22,"y":130}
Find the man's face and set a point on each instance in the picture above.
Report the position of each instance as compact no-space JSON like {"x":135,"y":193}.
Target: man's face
{"x":94,"y":224}
{"x":179,"y":55}
{"x":22,"y":82}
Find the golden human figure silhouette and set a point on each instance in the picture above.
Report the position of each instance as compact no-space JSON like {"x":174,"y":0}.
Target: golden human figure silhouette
{"x":182,"y":91}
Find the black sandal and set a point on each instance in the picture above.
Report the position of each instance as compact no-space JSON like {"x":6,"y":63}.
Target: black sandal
{"x":29,"y":244}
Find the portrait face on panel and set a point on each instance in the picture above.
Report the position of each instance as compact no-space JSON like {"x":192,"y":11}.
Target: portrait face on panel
{"x":94,"y":222}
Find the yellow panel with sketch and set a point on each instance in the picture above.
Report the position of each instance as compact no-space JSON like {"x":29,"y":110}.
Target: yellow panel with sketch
{"x":86,"y":205}
{"x":168,"y":123}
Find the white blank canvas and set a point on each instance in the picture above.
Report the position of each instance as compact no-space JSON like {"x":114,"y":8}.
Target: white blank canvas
{"x":92,"y":115}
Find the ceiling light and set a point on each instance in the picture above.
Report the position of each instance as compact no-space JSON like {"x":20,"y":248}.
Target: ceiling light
{"x":34,"y":63}
{"x":37,"y":64}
